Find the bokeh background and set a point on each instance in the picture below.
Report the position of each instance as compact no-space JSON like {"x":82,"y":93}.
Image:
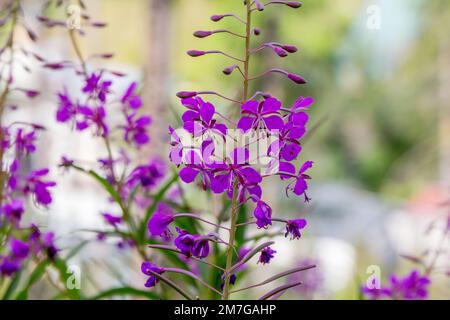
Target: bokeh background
{"x":380,"y":130}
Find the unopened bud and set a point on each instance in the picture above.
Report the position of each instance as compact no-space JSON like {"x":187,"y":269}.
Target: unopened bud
{"x":256,"y":31}
{"x":186,"y":94}
{"x":294,"y":4}
{"x":280,"y":52}
{"x":259,"y":5}
{"x":289,"y":48}
{"x":296,"y":78}
{"x":217,"y":17}
{"x":195,"y":53}
{"x":202,"y":34}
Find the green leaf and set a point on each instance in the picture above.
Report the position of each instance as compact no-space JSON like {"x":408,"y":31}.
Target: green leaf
{"x":108,"y":187}
{"x":125,"y":291}
{"x":157,"y":199}
{"x":76,"y":249}
{"x":12,"y":286}
{"x":34,"y":277}
{"x":61,"y":265}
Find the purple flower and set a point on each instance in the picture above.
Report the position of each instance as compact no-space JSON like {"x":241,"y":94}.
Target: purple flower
{"x":38,"y":187}
{"x":93,"y":117}
{"x":159,"y":223}
{"x":8,"y":266}
{"x":232,"y":280}
{"x":184,"y":242}
{"x":176,"y":151}
{"x":237,"y":169}
{"x":147,"y":268}
{"x":19,"y":249}
{"x":263,"y":214}
{"x":112,"y":220}
{"x":301,"y":104}
{"x":199,"y":119}
{"x":14,"y":210}
{"x":136,"y":129}
{"x":147,"y":176}
{"x":66,"y":108}
{"x":412,"y":287}
{"x":300,"y":185}
{"x":95,"y":85}
{"x":49,"y":245}
{"x":257,"y":114}
{"x":293,"y":228}
{"x":195,"y":165}
{"x":130,"y":98}
{"x":287,"y":145}
{"x":266,"y":255}
{"x":4,"y":138}
{"x":375,"y":293}
{"x":200,"y":248}
{"x":192,"y":245}
{"x":24,"y":142}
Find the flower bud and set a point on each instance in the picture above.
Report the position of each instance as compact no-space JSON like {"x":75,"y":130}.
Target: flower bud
{"x":289,"y":48}
{"x":186,"y":94}
{"x":229,"y":70}
{"x":296,"y":78}
{"x":217,"y":17}
{"x":256,"y":31}
{"x":280,"y":52}
{"x":259,"y":5}
{"x":202,"y":34}
{"x":195,"y":53}
{"x":294,"y":4}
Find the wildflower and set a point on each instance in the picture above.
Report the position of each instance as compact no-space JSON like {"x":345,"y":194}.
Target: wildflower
{"x":147,"y":176}
{"x":266,"y":255}
{"x":300,"y":185}
{"x":95,"y":85}
{"x":24,"y":142}
{"x":14,"y":210}
{"x":38,"y":187}
{"x":93,"y":117}
{"x":159,"y":223}
{"x":66,"y":108}
{"x":412,"y":287}
{"x":184,"y":242}
{"x":200,"y":248}
{"x":265,"y":113}
{"x":136,"y":129}
{"x":232,"y":280}
{"x":19,"y":249}
{"x":202,"y":122}
{"x":293,"y":228}
{"x":112,"y":220}
{"x":49,"y":245}
{"x":147,"y":268}
{"x":8,"y":266}
{"x":263,"y":214}
{"x":130,"y":98}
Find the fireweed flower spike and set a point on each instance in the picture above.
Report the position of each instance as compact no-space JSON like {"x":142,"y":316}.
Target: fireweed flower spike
{"x":206,"y":150}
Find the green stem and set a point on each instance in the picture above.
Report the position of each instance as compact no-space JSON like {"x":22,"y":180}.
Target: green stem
{"x":229,"y":263}
{"x":234,"y":205}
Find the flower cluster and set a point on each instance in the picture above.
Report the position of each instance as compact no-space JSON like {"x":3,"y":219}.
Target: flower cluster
{"x":233,"y":157}
{"x":21,"y":240}
{"x":414,"y":286}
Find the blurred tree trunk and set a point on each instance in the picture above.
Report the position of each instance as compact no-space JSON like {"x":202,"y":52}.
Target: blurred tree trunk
{"x":157,"y":75}
{"x":443,"y":67}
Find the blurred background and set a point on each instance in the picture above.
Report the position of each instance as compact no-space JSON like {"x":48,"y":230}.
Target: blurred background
{"x":379,"y":72}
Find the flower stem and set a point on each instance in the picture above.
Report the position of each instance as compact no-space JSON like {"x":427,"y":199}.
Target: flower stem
{"x":234,"y":204}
